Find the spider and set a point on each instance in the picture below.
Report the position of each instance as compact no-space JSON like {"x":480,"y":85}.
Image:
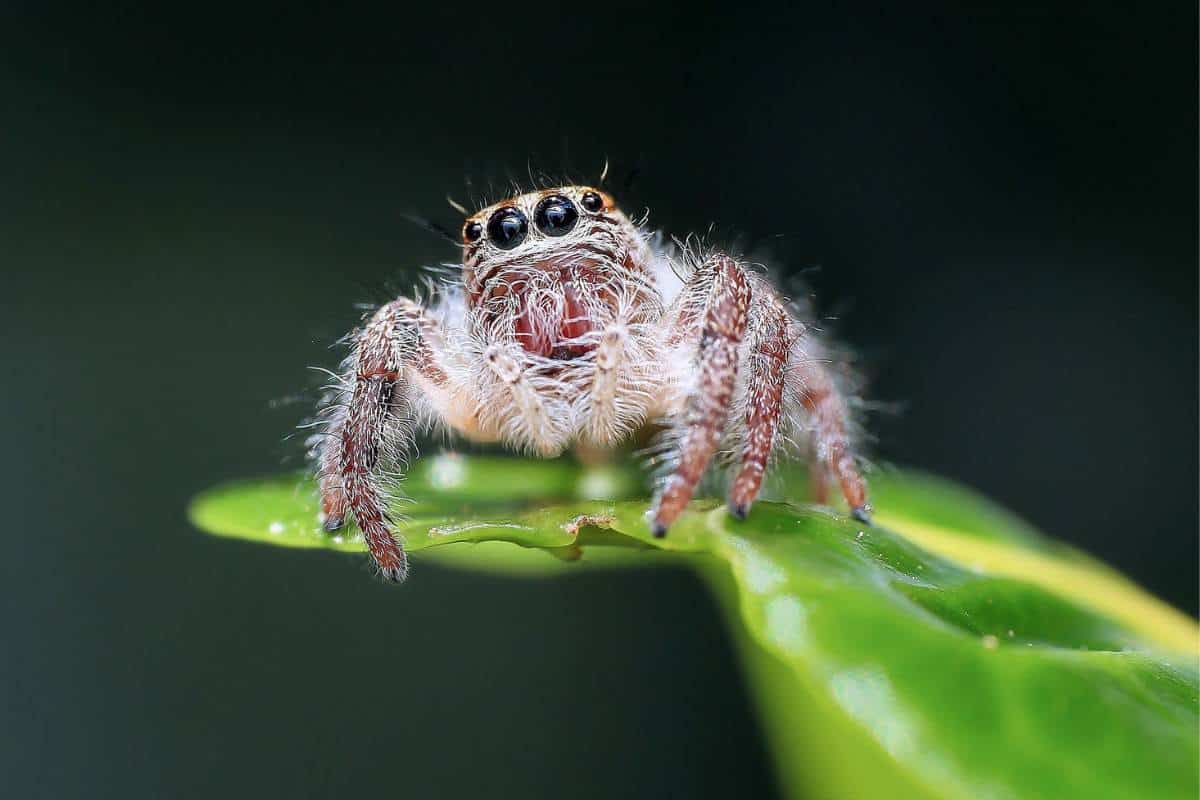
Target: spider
{"x":571,"y":324}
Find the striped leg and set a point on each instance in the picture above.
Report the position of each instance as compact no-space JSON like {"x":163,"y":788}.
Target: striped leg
{"x":769,"y":346}
{"x":831,"y":452}
{"x":707,"y":408}
{"x":372,"y":422}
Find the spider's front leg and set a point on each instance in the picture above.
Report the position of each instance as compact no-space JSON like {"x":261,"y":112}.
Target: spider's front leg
{"x":722,"y":325}
{"x":371,"y":426}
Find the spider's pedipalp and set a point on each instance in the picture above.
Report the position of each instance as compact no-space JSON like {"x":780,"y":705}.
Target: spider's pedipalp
{"x":526,"y":408}
{"x":603,"y":418}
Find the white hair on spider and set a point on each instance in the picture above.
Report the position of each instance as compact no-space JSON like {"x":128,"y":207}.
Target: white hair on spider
{"x":569,"y":324}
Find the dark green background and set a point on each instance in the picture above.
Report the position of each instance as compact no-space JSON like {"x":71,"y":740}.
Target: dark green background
{"x":1001,"y":205}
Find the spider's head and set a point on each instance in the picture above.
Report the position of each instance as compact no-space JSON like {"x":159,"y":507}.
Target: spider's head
{"x":541,"y":228}
{"x":552,"y":261}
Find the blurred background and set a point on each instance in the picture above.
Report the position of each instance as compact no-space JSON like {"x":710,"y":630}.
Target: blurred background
{"x":999,"y":208}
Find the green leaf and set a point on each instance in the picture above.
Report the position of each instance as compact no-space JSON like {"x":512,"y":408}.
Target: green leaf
{"x":950,"y":651}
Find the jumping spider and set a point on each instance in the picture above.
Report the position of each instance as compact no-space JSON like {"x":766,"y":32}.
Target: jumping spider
{"x":573,"y":325}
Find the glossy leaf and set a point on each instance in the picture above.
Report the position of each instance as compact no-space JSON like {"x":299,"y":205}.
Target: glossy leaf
{"x":949,"y":651}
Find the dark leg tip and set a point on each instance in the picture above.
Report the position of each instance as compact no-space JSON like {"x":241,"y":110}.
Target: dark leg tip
{"x":862,"y":514}
{"x":394,"y":574}
{"x":657,"y":529}
{"x":739,"y":510}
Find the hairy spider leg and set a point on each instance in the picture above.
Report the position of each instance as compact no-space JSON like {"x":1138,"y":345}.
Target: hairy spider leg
{"x":707,"y":407}
{"x":374,"y":422}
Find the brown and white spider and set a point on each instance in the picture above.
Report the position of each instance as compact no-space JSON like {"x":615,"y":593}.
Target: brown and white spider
{"x":571,"y":325}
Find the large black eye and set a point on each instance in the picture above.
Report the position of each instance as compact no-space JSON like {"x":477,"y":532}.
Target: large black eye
{"x":592,"y":201}
{"x":555,"y":215}
{"x":472,"y":231}
{"x":507,"y":228}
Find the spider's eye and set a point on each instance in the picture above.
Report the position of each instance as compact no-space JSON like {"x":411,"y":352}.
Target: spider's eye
{"x":472,"y":231}
{"x":507,"y":228}
{"x":592,"y":201}
{"x":555,"y":215}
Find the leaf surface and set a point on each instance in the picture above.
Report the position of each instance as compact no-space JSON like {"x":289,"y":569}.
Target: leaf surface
{"x":949,"y":651}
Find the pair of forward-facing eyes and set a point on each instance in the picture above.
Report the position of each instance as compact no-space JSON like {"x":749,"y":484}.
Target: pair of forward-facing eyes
{"x":554,"y":215}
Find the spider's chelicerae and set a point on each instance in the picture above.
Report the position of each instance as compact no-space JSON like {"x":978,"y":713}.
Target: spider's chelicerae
{"x":571,"y":325}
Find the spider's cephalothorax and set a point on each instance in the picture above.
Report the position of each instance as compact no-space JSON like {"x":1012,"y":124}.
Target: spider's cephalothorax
{"x":571,"y":326}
